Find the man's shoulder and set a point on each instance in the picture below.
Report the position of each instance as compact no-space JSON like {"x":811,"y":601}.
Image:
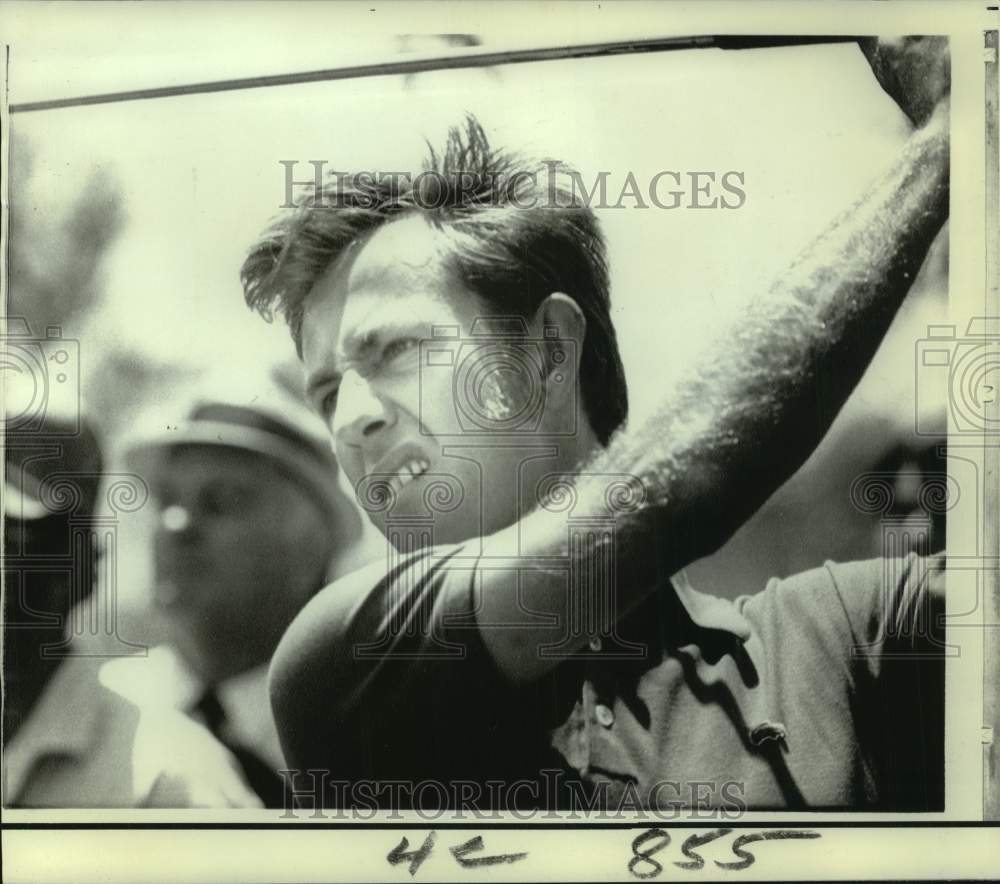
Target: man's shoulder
{"x":367,"y":644}
{"x":848,"y":600}
{"x":367,"y":601}
{"x":89,"y":746}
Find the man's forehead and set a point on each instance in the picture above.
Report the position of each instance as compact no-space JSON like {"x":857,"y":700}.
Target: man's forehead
{"x":401,"y":269}
{"x":409,"y":245}
{"x":407,"y":250}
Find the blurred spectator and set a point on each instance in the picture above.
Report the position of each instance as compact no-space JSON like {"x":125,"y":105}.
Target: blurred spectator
{"x":251,"y":523}
{"x":68,"y":741}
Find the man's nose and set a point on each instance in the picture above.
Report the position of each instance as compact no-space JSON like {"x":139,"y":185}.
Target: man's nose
{"x":360,"y":413}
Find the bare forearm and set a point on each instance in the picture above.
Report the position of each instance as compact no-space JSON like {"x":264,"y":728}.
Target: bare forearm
{"x":736,"y":426}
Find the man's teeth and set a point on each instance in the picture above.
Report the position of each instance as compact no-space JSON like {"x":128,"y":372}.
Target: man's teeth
{"x":408,"y":472}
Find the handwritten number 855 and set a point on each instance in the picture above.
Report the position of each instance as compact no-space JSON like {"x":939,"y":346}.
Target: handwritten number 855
{"x":652,"y":841}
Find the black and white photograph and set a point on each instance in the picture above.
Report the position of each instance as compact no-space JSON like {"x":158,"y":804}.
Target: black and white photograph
{"x":550,"y":441}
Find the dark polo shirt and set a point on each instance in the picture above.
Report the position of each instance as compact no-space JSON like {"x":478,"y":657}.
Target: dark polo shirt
{"x":825,"y":690}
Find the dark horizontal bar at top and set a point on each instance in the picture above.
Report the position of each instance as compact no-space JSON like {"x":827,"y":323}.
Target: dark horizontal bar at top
{"x":302,"y":822}
{"x":450,"y":62}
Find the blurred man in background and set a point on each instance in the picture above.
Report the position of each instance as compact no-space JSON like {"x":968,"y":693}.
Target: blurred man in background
{"x":251,"y":523}
{"x":68,"y":741}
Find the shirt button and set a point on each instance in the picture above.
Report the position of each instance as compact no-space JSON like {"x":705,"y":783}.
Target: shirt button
{"x":605,"y":717}
{"x":595,"y":644}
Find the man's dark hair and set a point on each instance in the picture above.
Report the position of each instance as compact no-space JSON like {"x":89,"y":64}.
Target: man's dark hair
{"x":515,"y":233}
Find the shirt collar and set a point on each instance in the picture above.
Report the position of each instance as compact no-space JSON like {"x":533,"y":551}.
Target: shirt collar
{"x":63,"y":722}
{"x":739,"y":664}
{"x":246,"y":688}
{"x":163,"y":677}
{"x":158,"y":678}
{"x":243,"y":692}
{"x":247,"y":702}
{"x":709,"y":611}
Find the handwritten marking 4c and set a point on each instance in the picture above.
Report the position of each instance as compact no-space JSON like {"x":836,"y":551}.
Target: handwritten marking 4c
{"x":401,"y":854}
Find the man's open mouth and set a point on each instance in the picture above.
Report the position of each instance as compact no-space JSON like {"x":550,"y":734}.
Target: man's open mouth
{"x":408,"y":472}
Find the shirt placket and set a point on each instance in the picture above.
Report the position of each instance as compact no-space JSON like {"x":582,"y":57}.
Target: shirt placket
{"x":598,"y":699}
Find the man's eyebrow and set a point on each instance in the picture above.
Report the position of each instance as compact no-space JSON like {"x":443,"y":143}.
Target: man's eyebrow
{"x":355,"y":346}
{"x":359,"y":345}
{"x":319,"y":379}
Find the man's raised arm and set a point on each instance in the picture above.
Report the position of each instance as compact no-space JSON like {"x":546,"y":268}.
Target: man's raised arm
{"x":738,"y":424}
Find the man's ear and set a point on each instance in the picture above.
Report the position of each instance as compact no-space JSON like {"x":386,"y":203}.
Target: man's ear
{"x":560,"y":323}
